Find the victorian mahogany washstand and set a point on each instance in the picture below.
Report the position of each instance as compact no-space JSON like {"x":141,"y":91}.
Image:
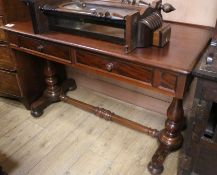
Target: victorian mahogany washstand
{"x":165,"y":70}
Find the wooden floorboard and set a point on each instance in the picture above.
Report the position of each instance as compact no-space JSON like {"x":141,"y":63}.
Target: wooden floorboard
{"x":68,"y":141}
{"x":16,"y":138}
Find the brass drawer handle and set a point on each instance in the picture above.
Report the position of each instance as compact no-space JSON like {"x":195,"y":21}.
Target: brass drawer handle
{"x":109,"y":67}
{"x":40,"y":48}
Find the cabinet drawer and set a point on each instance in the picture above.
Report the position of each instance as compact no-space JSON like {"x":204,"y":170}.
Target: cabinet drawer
{"x":2,"y":33}
{"x":44,"y":47}
{"x":6,"y":57}
{"x":113,"y":65}
{"x":9,"y":83}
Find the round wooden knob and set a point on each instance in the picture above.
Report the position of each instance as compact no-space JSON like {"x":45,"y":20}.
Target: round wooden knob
{"x":40,"y":48}
{"x":109,"y":66}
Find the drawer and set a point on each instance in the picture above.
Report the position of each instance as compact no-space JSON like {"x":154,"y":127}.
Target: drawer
{"x":168,"y":80}
{"x":113,"y":65}
{"x":6,"y":57}
{"x":2,"y":33}
{"x":9,"y":83}
{"x":44,"y":47}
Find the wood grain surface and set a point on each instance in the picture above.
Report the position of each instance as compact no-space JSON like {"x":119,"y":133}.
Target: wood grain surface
{"x":180,"y":55}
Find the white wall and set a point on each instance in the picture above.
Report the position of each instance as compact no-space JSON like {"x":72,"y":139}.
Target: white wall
{"x":202,"y":12}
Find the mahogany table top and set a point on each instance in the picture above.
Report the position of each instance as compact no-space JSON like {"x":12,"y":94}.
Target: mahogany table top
{"x":180,"y":55}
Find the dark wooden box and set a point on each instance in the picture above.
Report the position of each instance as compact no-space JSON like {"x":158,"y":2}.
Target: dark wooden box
{"x":199,"y":153}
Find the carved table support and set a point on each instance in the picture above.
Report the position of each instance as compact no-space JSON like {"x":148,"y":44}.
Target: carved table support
{"x":170,"y":138}
{"x":51,"y":93}
{"x":109,"y":116}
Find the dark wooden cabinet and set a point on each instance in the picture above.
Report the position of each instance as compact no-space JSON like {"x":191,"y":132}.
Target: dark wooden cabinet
{"x":199,"y":153}
{"x":17,"y":81}
{"x":7,"y":86}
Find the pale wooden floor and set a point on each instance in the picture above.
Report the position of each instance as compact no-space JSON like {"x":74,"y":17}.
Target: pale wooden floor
{"x":68,"y":141}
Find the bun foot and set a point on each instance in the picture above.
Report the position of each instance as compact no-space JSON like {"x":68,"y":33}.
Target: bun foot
{"x":155,"y":169}
{"x":36,"y":114}
{"x":155,"y":166}
{"x":37,"y":107}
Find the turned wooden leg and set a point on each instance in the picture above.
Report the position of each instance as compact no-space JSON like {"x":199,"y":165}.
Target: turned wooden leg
{"x":52,"y":92}
{"x":170,"y":138}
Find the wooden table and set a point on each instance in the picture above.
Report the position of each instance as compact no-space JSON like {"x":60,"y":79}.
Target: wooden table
{"x":165,"y":70}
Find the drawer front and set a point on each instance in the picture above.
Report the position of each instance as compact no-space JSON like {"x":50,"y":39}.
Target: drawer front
{"x":6,"y":57}
{"x":2,"y":33}
{"x":130,"y":70}
{"x":168,"y":80}
{"x":9,"y":83}
{"x":56,"y":50}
